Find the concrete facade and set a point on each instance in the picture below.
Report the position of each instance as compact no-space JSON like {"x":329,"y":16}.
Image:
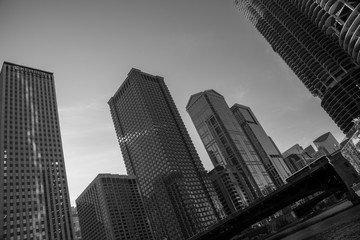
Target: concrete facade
{"x":302,"y":32}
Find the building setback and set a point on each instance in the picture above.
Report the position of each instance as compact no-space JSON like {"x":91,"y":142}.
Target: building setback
{"x":262,"y":143}
{"x":305,"y":35}
{"x":226,"y":142}
{"x":156,"y":147}
{"x":34,"y":202}
{"x":111,"y":208}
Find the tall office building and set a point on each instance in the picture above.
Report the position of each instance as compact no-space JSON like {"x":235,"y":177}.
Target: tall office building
{"x":304,"y":33}
{"x":179,"y":198}
{"x":228,"y":186}
{"x":262,"y":143}
{"x":34,"y":202}
{"x":111,"y":208}
{"x":226,"y":142}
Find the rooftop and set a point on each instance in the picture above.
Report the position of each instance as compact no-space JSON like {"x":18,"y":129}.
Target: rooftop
{"x":21,"y":66}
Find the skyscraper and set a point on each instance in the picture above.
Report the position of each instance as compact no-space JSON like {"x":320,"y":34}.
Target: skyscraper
{"x":34,"y":202}
{"x":262,"y":143}
{"x":111,"y":208}
{"x":179,"y":198}
{"x":337,"y":18}
{"x":228,"y":186}
{"x":227,"y":144}
{"x":305,"y":34}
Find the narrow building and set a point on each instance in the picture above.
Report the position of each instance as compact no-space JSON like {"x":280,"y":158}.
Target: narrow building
{"x":76,"y":224}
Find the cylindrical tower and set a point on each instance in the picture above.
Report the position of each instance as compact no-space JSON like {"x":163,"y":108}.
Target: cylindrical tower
{"x":327,"y":71}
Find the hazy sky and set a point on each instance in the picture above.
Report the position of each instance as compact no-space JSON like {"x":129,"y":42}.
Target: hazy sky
{"x":196,"y":45}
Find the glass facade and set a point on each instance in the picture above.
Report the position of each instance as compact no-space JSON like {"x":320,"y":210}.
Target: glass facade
{"x":299,"y":31}
{"x":262,"y":143}
{"x":179,"y":198}
{"x":226,"y":142}
{"x":34,"y":199}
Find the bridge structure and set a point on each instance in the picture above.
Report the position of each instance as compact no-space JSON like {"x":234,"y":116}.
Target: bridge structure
{"x":319,"y":177}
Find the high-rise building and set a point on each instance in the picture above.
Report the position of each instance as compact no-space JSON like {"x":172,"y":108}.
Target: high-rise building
{"x":111,"y":208}
{"x":179,"y":197}
{"x":34,"y":202}
{"x":226,"y":142}
{"x":231,"y":191}
{"x":339,"y":19}
{"x":305,"y":35}
{"x":327,"y":143}
{"x":262,"y":143}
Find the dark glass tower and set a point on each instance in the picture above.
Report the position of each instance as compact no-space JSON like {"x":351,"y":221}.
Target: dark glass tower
{"x":227,"y":143}
{"x":306,"y":34}
{"x":262,"y":143}
{"x":34,"y":202}
{"x":156,"y":147}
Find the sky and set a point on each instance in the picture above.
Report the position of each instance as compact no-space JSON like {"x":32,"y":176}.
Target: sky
{"x":90,"y":46}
